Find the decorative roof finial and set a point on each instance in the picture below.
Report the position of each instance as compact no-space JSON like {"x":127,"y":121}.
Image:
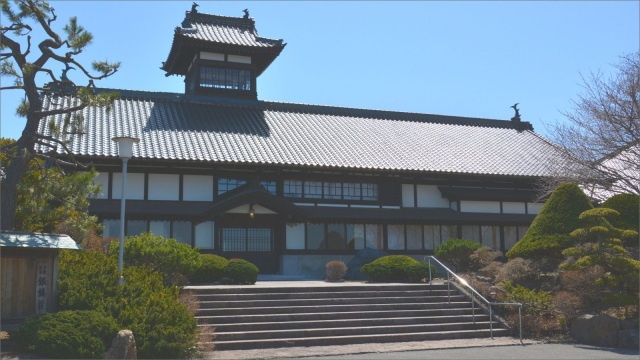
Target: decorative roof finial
{"x":193,"y":8}
{"x":246,"y":14}
{"x":516,"y":117}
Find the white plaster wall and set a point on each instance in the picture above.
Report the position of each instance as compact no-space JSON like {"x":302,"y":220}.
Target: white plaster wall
{"x":211,"y":56}
{"x":103,"y":180}
{"x":164,"y":187}
{"x":295,"y":236}
{"x":239,"y":59}
{"x":135,"y":186}
{"x":197,"y":188}
{"x":513,"y":207}
{"x":407,"y":195}
{"x":534,"y":208}
{"x":204,"y":235}
{"x":430,"y":197}
{"x":492,"y":207}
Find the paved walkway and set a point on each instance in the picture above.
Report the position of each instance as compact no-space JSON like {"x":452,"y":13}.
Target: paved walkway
{"x":342,"y":350}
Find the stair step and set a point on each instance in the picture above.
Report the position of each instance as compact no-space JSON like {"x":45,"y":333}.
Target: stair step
{"x":317,"y":295}
{"x":243,"y":289}
{"x":327,"y":301}
{"x":355,"y":339}
{"x":314,"y":324}
{"x":311,"y":316}
{"x":347,"y":331}
{"x":332,"y":308}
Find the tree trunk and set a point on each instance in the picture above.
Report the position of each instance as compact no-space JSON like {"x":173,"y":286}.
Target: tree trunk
{"x":9,"y":191}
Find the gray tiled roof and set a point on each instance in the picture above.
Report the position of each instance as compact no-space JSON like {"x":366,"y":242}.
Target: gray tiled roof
{"x":222,"y":130}
{"x":224,"y":29}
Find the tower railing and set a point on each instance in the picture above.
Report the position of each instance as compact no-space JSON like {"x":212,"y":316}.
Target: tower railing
{"x":473,"y":293}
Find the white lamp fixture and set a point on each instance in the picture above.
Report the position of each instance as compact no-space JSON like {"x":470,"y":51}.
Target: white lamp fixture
{"x":125,"y":152}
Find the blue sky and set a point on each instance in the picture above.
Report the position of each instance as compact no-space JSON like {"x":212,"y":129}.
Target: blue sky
{"x":458,"y":58}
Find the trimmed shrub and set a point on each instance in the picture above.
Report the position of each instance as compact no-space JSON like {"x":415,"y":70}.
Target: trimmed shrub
{"x":532,"y":301}
{"x":549,"y":232}
{"x":176,"y":262}
{"x":482,"y":257}
{"x":389,"y":268}
{"x":162,"y":326}
{"x":240,"y":271}
{"x":519,"y":271}
{"x":211,"y":270}
{"x":87,"y":280}
{"x":628,"y":205}
{"x":336,"y":270}
{"x":415,"y":273}
{"x":67,"y":335}
{"x":457,"y":253}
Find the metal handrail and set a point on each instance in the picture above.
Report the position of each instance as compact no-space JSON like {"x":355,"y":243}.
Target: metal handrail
{"x":473,"y":291}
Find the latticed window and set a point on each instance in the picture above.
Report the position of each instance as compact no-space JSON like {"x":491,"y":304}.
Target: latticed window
{"x":246,"y":239}
{"x":313,"y":190}
{"x":225,"y":184}
{"x":219,"y":78}
{"x":293,"y":188}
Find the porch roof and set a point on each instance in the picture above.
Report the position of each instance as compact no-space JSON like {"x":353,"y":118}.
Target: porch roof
{"x":37,"y":240}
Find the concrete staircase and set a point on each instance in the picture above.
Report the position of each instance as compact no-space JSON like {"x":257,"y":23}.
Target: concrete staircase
{"x":254,"y":317}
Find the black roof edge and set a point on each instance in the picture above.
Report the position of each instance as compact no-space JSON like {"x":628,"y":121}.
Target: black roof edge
{"x":323,"y":109}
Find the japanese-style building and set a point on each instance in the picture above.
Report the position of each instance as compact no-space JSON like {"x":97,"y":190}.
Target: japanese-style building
{"x":292,"y":186}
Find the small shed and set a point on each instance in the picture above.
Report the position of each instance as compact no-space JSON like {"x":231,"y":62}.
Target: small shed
{"x":29,"y":272}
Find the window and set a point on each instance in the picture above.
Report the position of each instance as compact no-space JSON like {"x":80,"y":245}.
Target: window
{"x":293,"y":189}
{"x":219,"y":78}
{"x":313,"y":190}
{"x":471,"y":232}
{"x":330,"y":190}
{"x":351,"y":191}
{"x":160,"y":228}
{"x":491,"y":237}
{"x":204,"y":235}
{"x":136,"y":227}
{"x":395,"y":237}
{"x":246,"y":239}
{"x":315,"y":236}
{"x":182,"y":231}
{"x":333,"y":190}
{"x":373,"y":236}
{"x":269,"y":185}
{"x":414,"y":237}
{"x":336,"y":239}
{"x":225,"y":184}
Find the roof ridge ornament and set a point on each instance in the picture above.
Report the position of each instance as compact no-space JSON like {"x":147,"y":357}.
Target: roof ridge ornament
{"x":246,"y":14}
{"x":516,"y":117}
{"x":194,"y":9}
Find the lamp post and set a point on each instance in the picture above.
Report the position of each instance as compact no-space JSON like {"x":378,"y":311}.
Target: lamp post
{"x":125,"y":152}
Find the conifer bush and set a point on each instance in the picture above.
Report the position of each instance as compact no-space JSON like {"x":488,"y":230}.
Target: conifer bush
{"x":241,"y":272}
{"x":162,"y":326}
{"x":549,"y":232}
{"x":211,"y":270}
{"x":457,"y":253}
{"x":70,"y":334}
{"x":628,"y":205}
{"x":419,"y":272}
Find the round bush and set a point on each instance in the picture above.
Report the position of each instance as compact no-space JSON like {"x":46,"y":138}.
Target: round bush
{"x":457,"y":253}
{"x":389,"y":268}
{"x":82,"y":334}
{"x":240,"y":271}
{"x":336,"y":270}
{"x":211,"y":270}
{"x":175,"y":261}
{"x":628,"y":205}
{"x":419,"y":272}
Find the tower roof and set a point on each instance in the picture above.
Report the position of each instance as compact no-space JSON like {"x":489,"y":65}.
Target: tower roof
{"x":224,"y":34}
